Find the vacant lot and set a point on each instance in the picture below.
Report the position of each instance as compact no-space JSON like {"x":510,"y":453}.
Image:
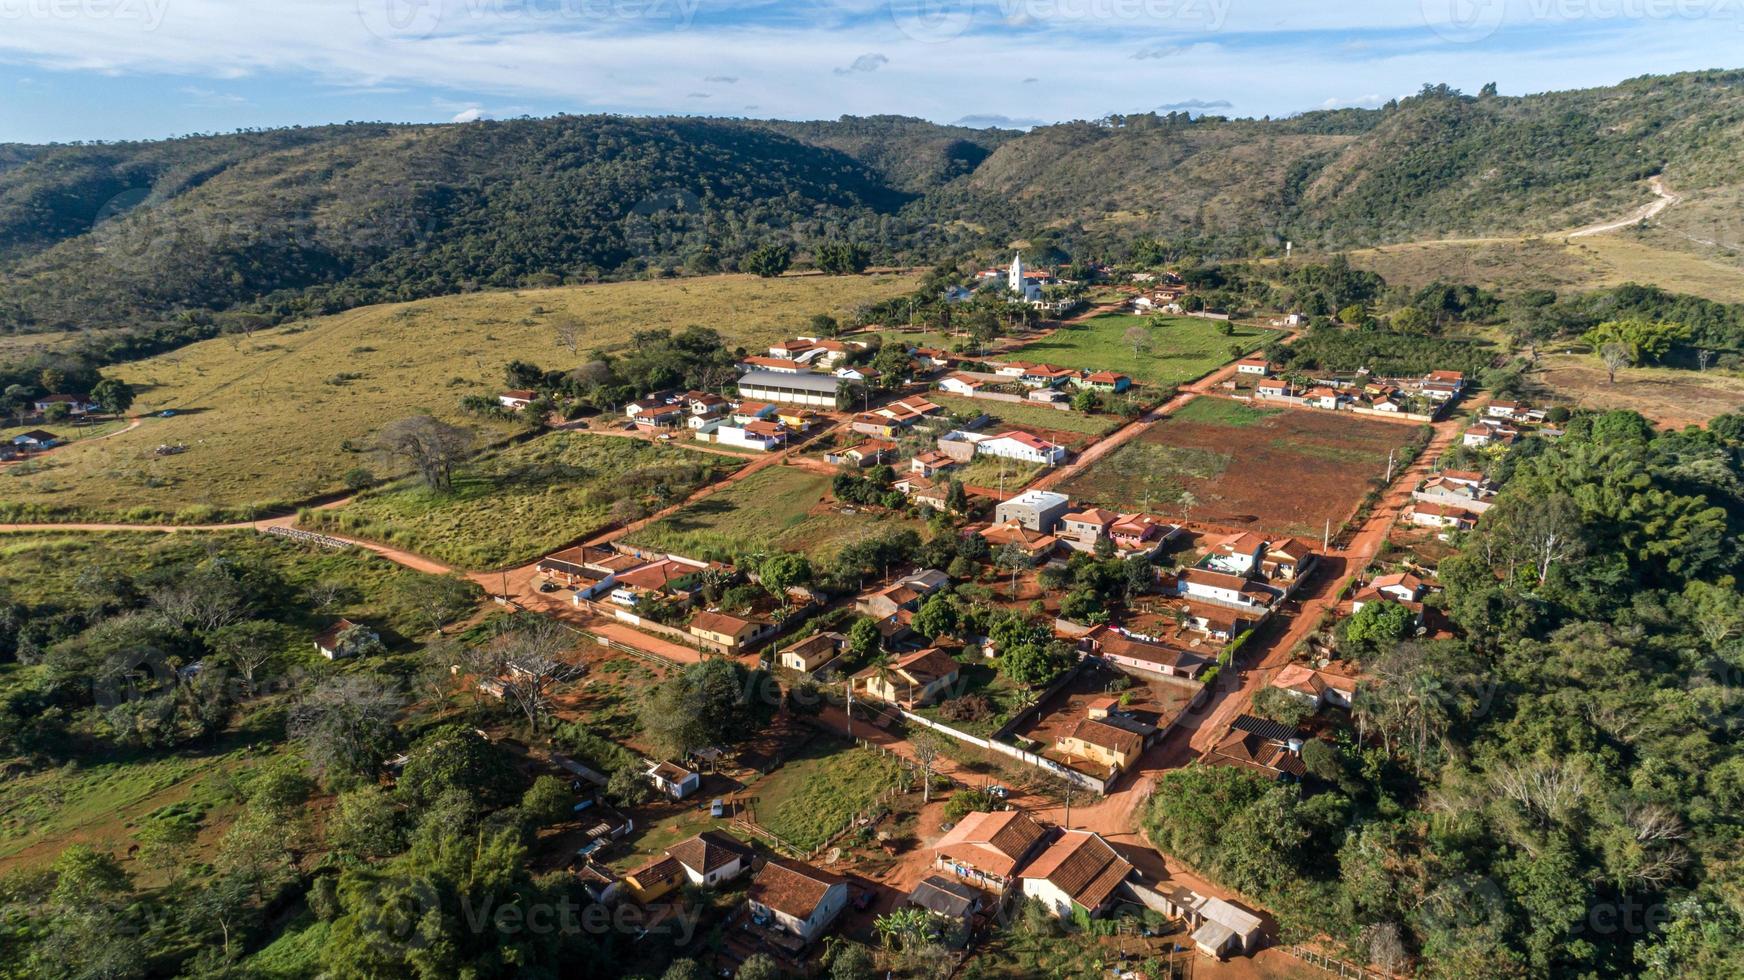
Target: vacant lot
{"x":514,"y":505}
{"x":820,"y":788}
{"x":1670,"y":397}
{"x":1284,"y":471}
{"x":1067,"y":428}
{"x":280,"y":416}
{"x":777,"y":509}
{"x":1176,"y":349}
{"x":995,"y":473}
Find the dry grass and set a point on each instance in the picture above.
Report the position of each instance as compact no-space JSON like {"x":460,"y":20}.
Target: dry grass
{"x":281,"y":416}
{"x":1671,"y":397}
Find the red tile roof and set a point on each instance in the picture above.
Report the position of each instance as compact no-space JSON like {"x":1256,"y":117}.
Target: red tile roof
{"x":792,"y":887}
{"x":991,"y":842}
{"x":1082,"y":865}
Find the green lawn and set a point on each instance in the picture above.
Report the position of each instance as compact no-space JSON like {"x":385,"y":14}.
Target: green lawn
{"x":781,"y":508}
{"x":519,"y":503}
{"x":1035,"y":416}
{"x":817,"y":790}
{"x":1181,"y":348}
{"x":1223,"y":411}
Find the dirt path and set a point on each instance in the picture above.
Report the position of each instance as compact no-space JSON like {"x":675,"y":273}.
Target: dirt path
{"x":1663,"y":199}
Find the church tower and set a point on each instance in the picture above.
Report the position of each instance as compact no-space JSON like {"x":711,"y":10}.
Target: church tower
{"x":1014,"y":281}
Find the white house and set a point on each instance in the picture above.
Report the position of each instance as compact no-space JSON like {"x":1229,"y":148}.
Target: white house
{"x":1023,"y":446}
{"x":797,"y":898}
{"x":1079,"y":871}
{"x":711,"y":858}
{"x":1253,"y":365}
{"x":674,"y":780}
{"x":516,"y":399}
{"x":1232,"y":590}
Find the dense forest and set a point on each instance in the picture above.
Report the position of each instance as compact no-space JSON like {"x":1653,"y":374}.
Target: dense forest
{"x":304,"y":221}
{"x":1556,"y":792}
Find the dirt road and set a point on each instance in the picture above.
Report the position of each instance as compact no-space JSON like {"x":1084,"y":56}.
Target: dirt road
{"x":1663,"y":199}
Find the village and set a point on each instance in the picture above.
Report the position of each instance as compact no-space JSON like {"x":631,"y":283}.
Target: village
{"x":1007,"y":692}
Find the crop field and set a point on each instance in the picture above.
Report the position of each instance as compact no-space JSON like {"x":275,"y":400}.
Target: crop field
{"x":513,"y":505}
{"x":1179,"y":349}
{"x":1283,"y":471}
{"x":781,"y":508}
{"x":1669,"y":396}
{"x":279,"y":417}
{"x":819,"y":788}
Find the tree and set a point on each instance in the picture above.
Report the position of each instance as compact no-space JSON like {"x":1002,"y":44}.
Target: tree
{"x":1616,"y":357}
{"x":769,"y":261}
{"x":569,"y":333}
{"x":1647,"y":341}
{"x":346,"y":724}
{"x":1087,"y":400}
{"x":113,"y":395}
{"x":1378,"y":622}
{"x":759,"y":966}
{"x":1033,"y":664}
{"x":1281,"y":705}
{"x":864,"y":640}
{"x":1411,"y":320}
{"x":628,"y":786}
{"x":1013,"y":556}
{"x":842,"y":258}
{"x":937,"y":616}
{"x":433,"y":448}
{"x":548,"y":801}
{"x":1138,"y":338}
{"x":436,"y":599}
{"x":454,"y":757}
{"x":716,"y":702}
{"x":784,"y":571}
{"x":533,"y":662}
{"x":926,"y":750}
{"x":246,"y":647}
{"x":366,"y":824}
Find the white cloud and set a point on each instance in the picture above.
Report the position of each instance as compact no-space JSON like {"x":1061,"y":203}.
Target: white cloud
{"x":472,"y":114}
{"x":865,"y":63}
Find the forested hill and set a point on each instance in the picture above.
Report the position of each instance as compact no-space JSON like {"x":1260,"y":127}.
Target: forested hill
{"x":316,"y":220}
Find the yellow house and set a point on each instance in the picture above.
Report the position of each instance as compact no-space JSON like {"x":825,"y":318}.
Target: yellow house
{"x":655,"y":879}
{"x":727,"y":634}
{"x":915,"y":679}
{"x":795,"y":418}
{"x":1101,"y":743}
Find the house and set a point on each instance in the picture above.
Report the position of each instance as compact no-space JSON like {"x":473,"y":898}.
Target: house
{"x":1037,"y":544}
{"x":1046,"y":375}
{"x":1261,"y":745}
{"x":1109,"y":381}
{"x":959,"y":445}
{"x":1036,"y":510}
{"x":759,"y":435}
{"x":789,"y":350}
{"x":914,"y":679}
{"x":872,"y":452}
{"x":673,"y":779}
{"x":910,"y":410}
{"x":813,"y":653}
{"x":962,"y":384}
{"x":1476,"y":497}
{"x":516,"y":399}
{"x":724,"y":633}
{"x":1321,"y":397}
{"x":1047,"y":396}
{"x":1099,"y":742}
{"x":1140,"y":533}
{"x":748,"y":410}
{"x":647,"y":404}
{"x":36,"y":439}
{"x":942,"y":896}
{"x":1238,"y":554}
{"x":1489,"y":434}
{"x":76,"y":404}
{"x":1387,"y":403}
{"x":1286,"y":560}
{"x":1082,"y":529}
{"x":1254,"y":365}
{"x":1078,"y":871}
{"x":662,"y":417}
{"x":1218,"y":622}
{"x":1021,"y":445}
{"x":1456,"y":379}
{"x":654,"y":880}
{"x":1234,"y":590}
{"x":711,"y":858}
{"x":875,"y":425}
{"x":589,"y":571}
{"x":1316,"y":686}
{"x":797,"y":898}
{"x":907,"y":592}
{"x":1505,"y":410}
{"x":601,"y":883}
{"x":1274,"y":389}
{"x":345,"y":639}
{"x":932,"y":358}
{"x":1225,"y":929}
{"x":814,"y":390}
{"x":795,"y":419}
{"x":1399,"y":587}
{"x":988,"y":848}
{"x":1447,"y":516}
{"x":668,"y":578}
{"x":930,"y":463}
{"x":1144,"y":656}
{"x":704,"y":403}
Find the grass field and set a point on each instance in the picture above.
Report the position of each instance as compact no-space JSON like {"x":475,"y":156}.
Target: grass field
{"x":279,"y":417}
{"x":21,"y":345}
{"x":994,"y":472}
{"x":1181,"y":349}
{"x":513,"y":505}
{"x":1669,"y":396}
{"x":1280,"y":471}
{"x":819,"y":788}
{"x":1030,"y":416}
{"x":776,"y":509}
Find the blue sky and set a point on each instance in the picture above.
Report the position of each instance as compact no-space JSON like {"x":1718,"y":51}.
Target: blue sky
{"x":123,"y":69}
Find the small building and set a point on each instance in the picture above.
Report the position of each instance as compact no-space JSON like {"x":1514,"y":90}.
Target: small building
{"x":1226,"y":929}
{"x":946,"y":897}
{"x":1112,"y":382}
{"x":814,"y":390}
{"x":1274,"y":389}
{"x":962,"y":383}
{"x":1102,"y":743}
{"x":988,"y":848}
{"x":1425,"y":514}
{"x":930,"y":463}
{"x":674,"y":780}
{"x":1322,"y":397}
{"x":654,"y":880}
{"x":516,"y":399}
{"x":813,"y":653}
{"x":1022,"y":446}
{"x":726,"y":633}
{"x":1080,"y":871}
{"x":1142,"y":655}
{"x":1270,"y":748}
{"x":1039,"y":545}
{"x":1254,"y":365}
{"x":872,"y":452}
{"x":1082,"y":529}
{"x":1234,"y":590}
{"x":797,"y":898}
{"x":1490,"y":434}
{"x":345,"y":639}
{"x":1036,"y":510}
{"x":36,"y":439}
{"x":712,"y":858}
{"x":914,"y":679}
{"x":1316,"y":686}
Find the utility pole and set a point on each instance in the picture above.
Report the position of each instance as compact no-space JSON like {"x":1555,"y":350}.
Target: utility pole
{"x":1326,"y":537}
{"x":848,"y":685}
{"x":1390,"y":466}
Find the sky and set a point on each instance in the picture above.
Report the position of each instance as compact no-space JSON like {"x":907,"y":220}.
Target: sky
{"x":146,"y":69}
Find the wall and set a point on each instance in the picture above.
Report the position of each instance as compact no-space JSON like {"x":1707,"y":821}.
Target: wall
{"x":1004,"y":748}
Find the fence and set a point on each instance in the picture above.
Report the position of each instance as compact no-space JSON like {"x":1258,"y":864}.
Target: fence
{"x":1098,"y":786}
{"x":309,"y":537}
{"x":1332,"y":964}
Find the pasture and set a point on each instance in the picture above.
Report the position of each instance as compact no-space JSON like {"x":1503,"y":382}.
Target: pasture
{"x":1175,"y":348}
